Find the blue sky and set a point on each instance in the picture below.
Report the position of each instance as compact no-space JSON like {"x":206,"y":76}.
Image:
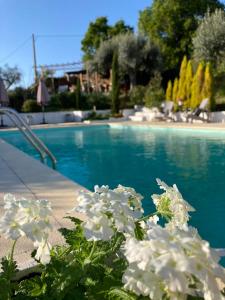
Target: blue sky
{"x":20,"y":18}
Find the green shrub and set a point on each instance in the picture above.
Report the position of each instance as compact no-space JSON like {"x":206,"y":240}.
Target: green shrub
{"x":125,"y":101}
{"x":137,"y":95}
{"x":99,"y":100}
{"x":154,"y":94}
{"x":94,"y":116}
{"x":16,"y":98}
{"x":18,"y":95}
{"x":55,"y":103}
{"x":68,"y":100}
{"x":31,"y":106}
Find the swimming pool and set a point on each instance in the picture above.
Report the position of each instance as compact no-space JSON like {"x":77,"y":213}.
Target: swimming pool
{"x":135,"y":156}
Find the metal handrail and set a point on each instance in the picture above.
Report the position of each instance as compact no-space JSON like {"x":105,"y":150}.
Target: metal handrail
{"x":42,"y":155}
{"x":29,"y":134}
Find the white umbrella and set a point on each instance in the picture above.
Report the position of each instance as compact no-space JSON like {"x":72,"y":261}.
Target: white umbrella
{"x":42,"y":97}
{"x":4,"y":99}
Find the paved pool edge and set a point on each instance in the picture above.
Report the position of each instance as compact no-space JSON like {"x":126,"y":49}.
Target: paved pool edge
{"x":26,"y":177}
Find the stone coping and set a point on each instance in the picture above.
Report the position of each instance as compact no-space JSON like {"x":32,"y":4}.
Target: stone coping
{"x":160,"y":124}
{"x":25,"y":176}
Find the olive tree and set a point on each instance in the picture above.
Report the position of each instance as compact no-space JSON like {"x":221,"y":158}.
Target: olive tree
{"x":136,"y":56}
{"x":209,"y":41}
{"x":10,"y":75}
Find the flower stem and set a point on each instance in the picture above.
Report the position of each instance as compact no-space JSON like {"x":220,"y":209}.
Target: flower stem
{"x":148,"y":216}
{"x":92,"y":250}
{"x":12,"y":251}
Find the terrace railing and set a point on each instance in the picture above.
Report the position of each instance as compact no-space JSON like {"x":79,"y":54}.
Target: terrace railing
{"x":30,"y":136}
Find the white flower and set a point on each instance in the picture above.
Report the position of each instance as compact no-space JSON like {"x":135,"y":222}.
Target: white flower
{"x":121,"y":208}
{"x":143,"y":283}
{"x":43,"y":251}
{"x":134,"y":197}
{"x":10,"y":226}
{"x":98,"y":228}
{"x":10,"y":202}
{"x":102,"y":189}
{"x":28,"y":218}
{"x":172,"y":259}
{"x":171,"y":205}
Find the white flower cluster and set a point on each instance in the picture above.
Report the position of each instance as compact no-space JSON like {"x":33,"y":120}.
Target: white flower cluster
{"x":28,"y":218}
{"x":171,"y":204}
{"x":172,"y":263}
{"x":108,"y":211}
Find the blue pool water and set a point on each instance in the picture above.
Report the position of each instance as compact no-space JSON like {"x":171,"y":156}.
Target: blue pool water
{"x":194,"y":160}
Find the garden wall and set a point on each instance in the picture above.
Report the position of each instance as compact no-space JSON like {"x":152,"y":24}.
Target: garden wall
{"x":60,"y":116}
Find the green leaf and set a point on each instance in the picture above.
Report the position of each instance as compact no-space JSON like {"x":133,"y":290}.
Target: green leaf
{"x":32,"y":287}
{"x":9,"y":268}
{"x":76,"y":221}
{"x":139,"y":232}
{"x":120,"y":294}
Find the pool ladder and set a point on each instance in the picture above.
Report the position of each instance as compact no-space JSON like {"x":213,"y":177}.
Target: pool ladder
{"x":31,"y":137}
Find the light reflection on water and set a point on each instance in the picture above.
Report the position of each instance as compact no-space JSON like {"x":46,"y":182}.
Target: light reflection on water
{"x":194,"y":160}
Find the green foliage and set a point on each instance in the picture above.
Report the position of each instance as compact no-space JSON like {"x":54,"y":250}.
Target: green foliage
{"x":182,"y":92}
{"x":16,"y":98}
{"x":96,"y":33}
{"x":55,"y":103}
{"x":196,"y":88}
{"x":68,"y":100}
{"x":207,"y":89}
{"x":10,"y":75}
{"x":78,"y":94}
{"x":125,"y":101}
{"x":137,"y":95}
{"x":102,"y":61}
{"x":99,"y":100}
{"x":154,"y":94}
{"x":169,"y":91}
{"x":99,"y":31}
{"x":80,"y":270}
{"x":170,"y":24}
{"x":18,"y":95}
{"x":209,"y":41}
{"x":119,"y":28}
{"x":175,"y":90}
{"x":188,"y":83}
{"x":31,"y":106}
{"x":9,"y":269}
{"x":115,"y":85}
{"x":137,"y":56}
{"x":94,"y":116}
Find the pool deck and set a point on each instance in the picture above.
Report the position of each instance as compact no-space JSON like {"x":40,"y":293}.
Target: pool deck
{"x":24,"y":176}
{"x":161,"y":124}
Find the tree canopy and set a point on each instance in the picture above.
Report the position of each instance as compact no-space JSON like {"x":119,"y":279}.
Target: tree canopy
{"x":137,"y":56}
{"x":209,"y":41}
{"x":170,"y":24}
{"x":99,"y":31}
{"x":10,"y":75}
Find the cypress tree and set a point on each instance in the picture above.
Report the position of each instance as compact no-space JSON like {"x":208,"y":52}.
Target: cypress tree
{"x":196,"y":87}
{"x":169,"y":91}
{"x":115,"y":84}
{"x":78,"y":93}
{"x":175,"y":90}
{"x":182,"y":87}
{"x":207,"y":89}
{"x":188,"y":83}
